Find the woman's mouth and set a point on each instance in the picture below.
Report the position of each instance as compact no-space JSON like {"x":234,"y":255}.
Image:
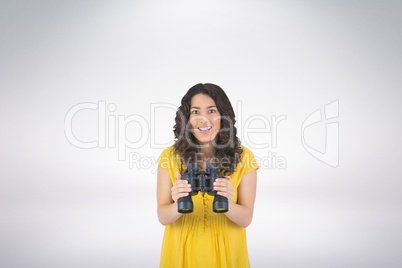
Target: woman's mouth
{"x":204,"y":130}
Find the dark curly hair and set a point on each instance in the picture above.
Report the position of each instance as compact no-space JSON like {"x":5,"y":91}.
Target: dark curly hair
{"x":227,"y":145}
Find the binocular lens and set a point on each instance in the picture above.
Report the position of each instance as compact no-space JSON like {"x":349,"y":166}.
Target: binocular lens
{"x":220,"y":206}
{"x":185,"y":206}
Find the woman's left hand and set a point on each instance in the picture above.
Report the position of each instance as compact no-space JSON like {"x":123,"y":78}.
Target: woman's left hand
{"x":224,"y":187}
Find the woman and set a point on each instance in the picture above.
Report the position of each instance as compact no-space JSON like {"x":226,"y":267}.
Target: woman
{"x":205,"y":132}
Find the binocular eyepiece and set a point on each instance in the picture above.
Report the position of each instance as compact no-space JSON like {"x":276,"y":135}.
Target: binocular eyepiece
{"x":202,"y":181}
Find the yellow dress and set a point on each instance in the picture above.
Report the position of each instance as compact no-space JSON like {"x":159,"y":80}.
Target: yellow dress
{"x":204,"y":238}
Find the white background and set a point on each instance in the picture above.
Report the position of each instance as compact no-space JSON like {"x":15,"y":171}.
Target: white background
{"x":63,"y":206}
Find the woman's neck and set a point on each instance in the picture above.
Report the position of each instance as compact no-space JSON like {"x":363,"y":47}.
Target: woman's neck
{"x":208,"y":151}
{"x":206,"y":154}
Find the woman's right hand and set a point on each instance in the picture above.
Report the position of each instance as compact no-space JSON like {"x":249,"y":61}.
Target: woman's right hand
{"x":180,"y":188}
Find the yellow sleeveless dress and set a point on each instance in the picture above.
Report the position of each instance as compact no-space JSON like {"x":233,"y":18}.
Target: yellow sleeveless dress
{"x":204,"y":238}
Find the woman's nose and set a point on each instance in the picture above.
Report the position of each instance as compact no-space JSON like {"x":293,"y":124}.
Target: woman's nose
{"x":203,"y":119}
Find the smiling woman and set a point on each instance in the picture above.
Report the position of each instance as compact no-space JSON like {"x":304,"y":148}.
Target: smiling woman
{"x":206,"y":138}
{"x":207,"y":106}
{"x":205,"y":120}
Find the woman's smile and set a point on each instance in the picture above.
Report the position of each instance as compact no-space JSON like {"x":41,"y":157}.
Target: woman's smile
{"x":205,"y":130}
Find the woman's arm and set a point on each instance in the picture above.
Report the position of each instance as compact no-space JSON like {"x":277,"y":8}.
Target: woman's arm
{"x":242,"y":212}
{"x":168,"y":194}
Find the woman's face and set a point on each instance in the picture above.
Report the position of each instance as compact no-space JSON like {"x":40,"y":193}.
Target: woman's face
{"x":205,"y":119}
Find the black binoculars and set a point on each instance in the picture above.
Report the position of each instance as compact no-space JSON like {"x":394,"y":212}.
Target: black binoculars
{"x":202,"y":181}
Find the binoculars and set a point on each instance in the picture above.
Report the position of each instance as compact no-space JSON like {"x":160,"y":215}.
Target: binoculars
{"x":202,"y":181}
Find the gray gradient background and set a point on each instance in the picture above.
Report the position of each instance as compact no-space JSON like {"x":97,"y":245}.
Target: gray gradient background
{"x":61,"y":206}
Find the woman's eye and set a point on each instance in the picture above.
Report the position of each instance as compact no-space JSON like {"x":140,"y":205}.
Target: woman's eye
{"x":212,"y":111}
{"x":194,"y":112}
